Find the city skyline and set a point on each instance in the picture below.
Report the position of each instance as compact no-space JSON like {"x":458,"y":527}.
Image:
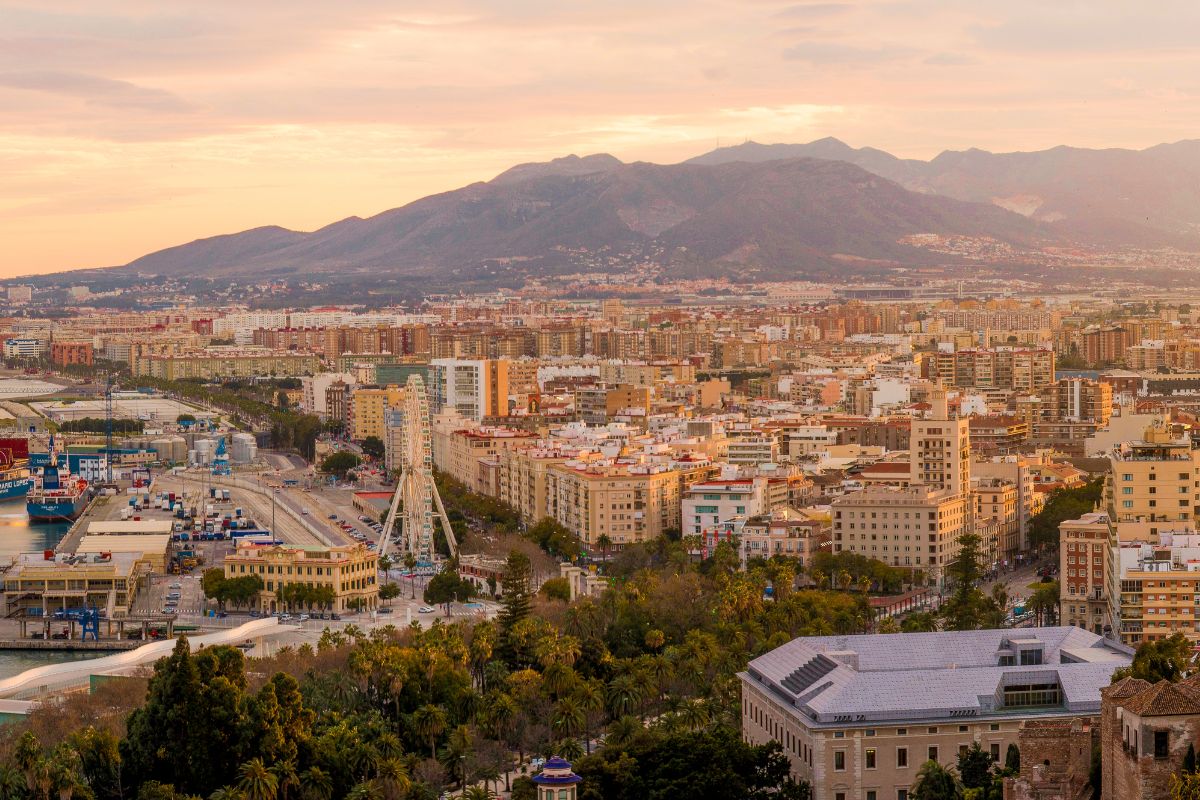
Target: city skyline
{"x":129,"y":128}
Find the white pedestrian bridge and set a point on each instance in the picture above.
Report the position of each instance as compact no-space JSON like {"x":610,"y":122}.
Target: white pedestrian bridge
{"x":17,"y":693}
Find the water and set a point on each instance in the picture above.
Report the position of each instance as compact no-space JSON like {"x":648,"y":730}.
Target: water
{"x":19,"y":535}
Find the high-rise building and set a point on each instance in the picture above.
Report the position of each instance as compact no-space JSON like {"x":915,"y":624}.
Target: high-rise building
{"x":474,"y":388}
{"x":940,"y":449}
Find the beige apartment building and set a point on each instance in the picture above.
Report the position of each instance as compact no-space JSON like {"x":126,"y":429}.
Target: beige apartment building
{"x":367,"y":410}
{"x":1154,"y":588}
{"x":628,"y":503}
{"x":916,"y":527}
{"x":459,"y":447}
{"x":351,"y":571}
{"x":228,"y":362}
{"x":1153,"y":481}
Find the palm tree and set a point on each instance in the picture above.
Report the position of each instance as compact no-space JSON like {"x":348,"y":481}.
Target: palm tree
{"x":935,"y":782}
{"x":316,"y":784}
{"x":429,"y":721}
{"x":845,"y":579}
{"x":285,"y":773}
{"x":569,"y":718}
{"x":559,"y":679}
{"x":570,"y":749}
{"x":864,"y":584}
{"x":478,"y":792}
{"x":622,"y":730}
{"x":819,"y":578}
{"x":604,"y":541}
{"x":367,"y":790}
{"x":410,"y":563}
{"x":590,"y":699}
{"x":392,"y":779}
{"x":460,"y":747}
{"x":655,"y":639}
{"x":258,"y":782}
{"x":624,"y":696}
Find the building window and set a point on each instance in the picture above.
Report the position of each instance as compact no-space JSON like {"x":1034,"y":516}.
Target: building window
{"x":995,"y":748}
{"x":870,"y":758}
{"x":1162,"y":744}
{"x":839,"y":760}
{"x":870,"y":794}
{"x":901,"y":757}
{"x":902,"y":794}
{"x":933,"y":753}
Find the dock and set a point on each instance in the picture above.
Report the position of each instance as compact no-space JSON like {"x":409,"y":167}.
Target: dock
{"x":104,"y":645}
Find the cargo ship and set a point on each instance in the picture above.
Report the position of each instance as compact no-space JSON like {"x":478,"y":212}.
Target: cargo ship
{"x":15,"y":480}
{"x":56,"y":494}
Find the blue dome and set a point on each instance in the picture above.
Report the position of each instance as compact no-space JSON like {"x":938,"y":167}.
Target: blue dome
{"x":556,"y":772}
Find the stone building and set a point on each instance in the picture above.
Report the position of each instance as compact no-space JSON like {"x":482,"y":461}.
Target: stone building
{"x":1145,"y":732}
{"x":1056,"y":760}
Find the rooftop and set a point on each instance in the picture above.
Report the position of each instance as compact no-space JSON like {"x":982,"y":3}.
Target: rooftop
{"x":837,"y":679}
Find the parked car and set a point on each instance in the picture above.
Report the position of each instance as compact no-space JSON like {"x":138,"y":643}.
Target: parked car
{"x":426,"y":610}
{"x":335,"y":616}
{"x":384,"y":610}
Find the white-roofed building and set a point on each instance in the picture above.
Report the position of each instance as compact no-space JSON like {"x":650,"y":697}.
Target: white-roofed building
{"x":858,"y":715}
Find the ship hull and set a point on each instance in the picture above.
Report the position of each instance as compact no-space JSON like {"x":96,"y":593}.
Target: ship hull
{"x":14,"y":488}
{"x":49,"y":511}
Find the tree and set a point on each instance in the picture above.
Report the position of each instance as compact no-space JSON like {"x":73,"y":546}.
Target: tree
{"x":557,"y":589}
{"x":1044,"y":603}
{"x":1062,"y":505}
{"x":1012,"y":758}
{"x":339,"y":463}
{"x":967,"y":608}
{"x":429,"y":722}
{"x":1168,"y":659}
{"x":373,"y":446}
{"x":935,"y":782}
{"x":256,"y":781}
{"x":389,"y":591}
{"x":516,"y":604}
{"x":975,"y":767}
{"x":447,"y":586}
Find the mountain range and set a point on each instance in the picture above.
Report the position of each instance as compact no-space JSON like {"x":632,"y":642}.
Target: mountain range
{"x":781,"y":209}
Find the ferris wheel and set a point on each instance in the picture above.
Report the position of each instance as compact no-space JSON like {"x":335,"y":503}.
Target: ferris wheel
{"x":416,"y":495}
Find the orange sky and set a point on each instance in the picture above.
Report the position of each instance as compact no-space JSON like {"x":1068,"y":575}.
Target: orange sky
{"x":131,"y":125}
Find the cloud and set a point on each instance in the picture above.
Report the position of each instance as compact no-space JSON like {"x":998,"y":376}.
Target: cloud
{"x":814,"y":10}
{"x":94,"y":89}
{"x":819,"y":52}
{"x":951,"y":60}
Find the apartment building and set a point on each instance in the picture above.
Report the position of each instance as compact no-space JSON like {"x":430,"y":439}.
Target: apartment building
{"x":940,"y":448}
{"x":1154,"y":480}
{"x":227,"y":362}
{"x":367,"y":407}
{"x":856,"y":717}
{"x":66,"y":354}
{"x":313,"y":387}
{"x":350,"y":571}
{"x":1084,"y":567}
{"x":997,"y":510}
{"x":917,"y":527}
{"x":460,"y":447}
{"x":707,"y":504}
{"x":1001,"y":368}
{"x":474,"y":388}
{"x":627,"y":503}
{"x":1155,"y":588}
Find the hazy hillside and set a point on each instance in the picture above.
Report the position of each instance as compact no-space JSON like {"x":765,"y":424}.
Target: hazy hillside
{"x":777,"y":215}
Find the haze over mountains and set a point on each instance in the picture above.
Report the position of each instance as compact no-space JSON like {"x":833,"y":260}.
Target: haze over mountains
{"x":782,"y":209}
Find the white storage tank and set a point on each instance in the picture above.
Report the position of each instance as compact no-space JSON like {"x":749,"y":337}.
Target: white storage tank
{"x":243,"y":448}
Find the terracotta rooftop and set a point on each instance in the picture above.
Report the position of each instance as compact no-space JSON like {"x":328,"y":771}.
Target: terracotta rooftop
{"x":1165,"y":699}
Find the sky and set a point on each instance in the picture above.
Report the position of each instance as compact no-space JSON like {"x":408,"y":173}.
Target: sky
{"x":131,"y":125}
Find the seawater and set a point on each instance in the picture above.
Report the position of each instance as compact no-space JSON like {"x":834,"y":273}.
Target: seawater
{"x":19,"y":535}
